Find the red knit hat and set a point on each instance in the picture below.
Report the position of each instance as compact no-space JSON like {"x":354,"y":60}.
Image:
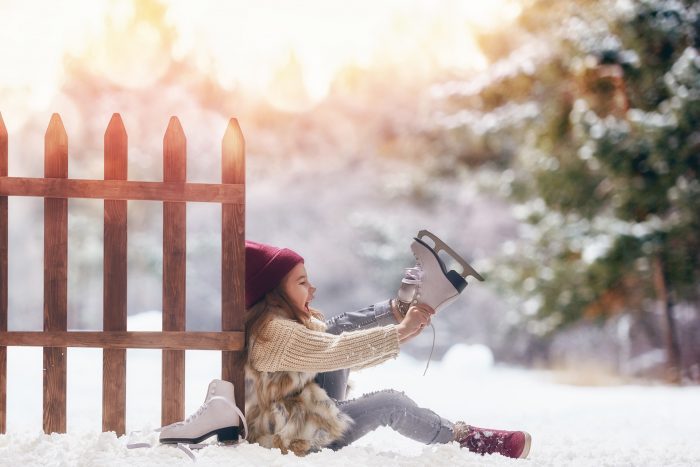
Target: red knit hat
{"x":265,"y":267}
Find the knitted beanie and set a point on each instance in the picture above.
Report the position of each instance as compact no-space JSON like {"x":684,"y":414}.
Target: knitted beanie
{"x":265,"y":267}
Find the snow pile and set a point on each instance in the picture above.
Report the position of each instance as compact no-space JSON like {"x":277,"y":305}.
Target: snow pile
{"x":462,"y":358}
{"x":589,"y":426}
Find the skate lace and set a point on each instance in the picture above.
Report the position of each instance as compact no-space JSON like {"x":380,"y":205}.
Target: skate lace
{"x":199,"y":411}
{"x":414,"y":275}
{"x":432,"y":347}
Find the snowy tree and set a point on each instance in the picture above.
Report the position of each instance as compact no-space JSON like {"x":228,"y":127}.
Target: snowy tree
{"x":595,"y":110}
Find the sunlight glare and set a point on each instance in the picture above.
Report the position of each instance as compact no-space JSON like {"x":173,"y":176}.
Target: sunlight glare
{"x":288,"y":52}
{"x":291,"y":51}
{"x":34,"y":39}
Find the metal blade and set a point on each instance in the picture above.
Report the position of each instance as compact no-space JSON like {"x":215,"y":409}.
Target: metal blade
{"x":468,"y":270}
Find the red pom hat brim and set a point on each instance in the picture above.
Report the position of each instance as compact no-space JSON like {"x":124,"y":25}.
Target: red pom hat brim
{"x":266,"y":266}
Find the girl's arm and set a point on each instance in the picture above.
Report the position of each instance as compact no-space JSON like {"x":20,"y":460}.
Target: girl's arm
{"x":378,"y":314}
{"x":285,"y":345}
{"x":417,"y":317}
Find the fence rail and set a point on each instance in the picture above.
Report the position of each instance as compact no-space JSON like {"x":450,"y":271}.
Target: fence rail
{"x":172,"y":340}
{"x":174,"y":191}
{"x":121,"y":190}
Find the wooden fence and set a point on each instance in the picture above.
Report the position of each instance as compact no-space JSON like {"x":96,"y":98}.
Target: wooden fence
{"x":174,"y":191}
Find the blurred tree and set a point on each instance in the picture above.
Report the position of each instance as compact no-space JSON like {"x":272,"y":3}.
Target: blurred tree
{"x":607,"y":167}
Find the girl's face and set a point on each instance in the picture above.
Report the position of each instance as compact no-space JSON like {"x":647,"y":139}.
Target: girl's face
{"x":298,"y":288}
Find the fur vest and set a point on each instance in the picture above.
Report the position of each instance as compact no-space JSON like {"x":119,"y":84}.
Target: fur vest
{"x":289,"y":411}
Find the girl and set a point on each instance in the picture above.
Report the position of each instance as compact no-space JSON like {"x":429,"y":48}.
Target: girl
{"x":297,"y":366}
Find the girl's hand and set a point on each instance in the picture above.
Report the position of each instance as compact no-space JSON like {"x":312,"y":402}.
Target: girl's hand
{"x":417,"y":317}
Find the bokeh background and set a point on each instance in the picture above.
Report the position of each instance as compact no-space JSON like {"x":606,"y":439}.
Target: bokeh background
{"x":556,"y":145}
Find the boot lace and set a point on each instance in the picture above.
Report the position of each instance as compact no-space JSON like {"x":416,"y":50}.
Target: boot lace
{"x":189,"y":419}
{"x":414,"y":276}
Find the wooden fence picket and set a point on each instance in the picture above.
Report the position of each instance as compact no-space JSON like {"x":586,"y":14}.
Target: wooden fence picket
{"x":55,"y":277}
{"x":233,"y":255}
{"x":174,"y":191}
{"x":114,"y":280}
{"x":174,"y":261}
{"x":3,"y":277}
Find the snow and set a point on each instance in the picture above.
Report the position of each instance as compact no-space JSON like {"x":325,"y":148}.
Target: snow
{"x":570,"y":425}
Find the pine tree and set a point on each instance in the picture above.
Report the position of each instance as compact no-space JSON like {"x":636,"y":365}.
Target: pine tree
{"x":607,"y":167}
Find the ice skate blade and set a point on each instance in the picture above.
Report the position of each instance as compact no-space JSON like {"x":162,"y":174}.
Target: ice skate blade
{"x":224,"y":435}
{"x":467,"y":269}
{"x":457,"y":281}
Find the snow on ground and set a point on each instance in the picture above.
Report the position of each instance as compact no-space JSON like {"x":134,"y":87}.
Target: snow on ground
{"x":570,"y":425}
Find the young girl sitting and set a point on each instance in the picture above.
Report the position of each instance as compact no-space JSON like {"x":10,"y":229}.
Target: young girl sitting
{"x":297,"y":367}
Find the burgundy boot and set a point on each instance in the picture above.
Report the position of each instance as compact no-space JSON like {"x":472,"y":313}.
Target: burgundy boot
{"x":514,"y":444}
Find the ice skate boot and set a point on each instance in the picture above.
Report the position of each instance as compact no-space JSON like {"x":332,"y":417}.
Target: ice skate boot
{"x":515,"y":444}
{"x":429,"y":282}
{"x":218,"y":415}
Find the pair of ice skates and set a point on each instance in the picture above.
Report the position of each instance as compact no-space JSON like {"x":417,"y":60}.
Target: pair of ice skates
{"x":429,"y":282}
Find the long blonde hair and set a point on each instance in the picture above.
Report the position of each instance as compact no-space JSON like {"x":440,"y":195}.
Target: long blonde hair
{"x":260,"y":313}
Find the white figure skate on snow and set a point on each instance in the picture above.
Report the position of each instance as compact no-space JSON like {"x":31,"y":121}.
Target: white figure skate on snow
{"x":218,"y":416}
{"x":429,"y":282}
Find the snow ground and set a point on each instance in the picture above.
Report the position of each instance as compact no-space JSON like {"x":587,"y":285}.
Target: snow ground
{"x":570,"y":425}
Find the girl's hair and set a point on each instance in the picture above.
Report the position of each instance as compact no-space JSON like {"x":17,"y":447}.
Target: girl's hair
{"x":259,"y":314}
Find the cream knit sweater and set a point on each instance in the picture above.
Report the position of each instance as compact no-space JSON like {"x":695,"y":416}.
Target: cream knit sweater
{"x":286,"y":345}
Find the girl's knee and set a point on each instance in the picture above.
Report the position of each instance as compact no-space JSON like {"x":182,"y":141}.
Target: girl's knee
{"x":392,"y":399}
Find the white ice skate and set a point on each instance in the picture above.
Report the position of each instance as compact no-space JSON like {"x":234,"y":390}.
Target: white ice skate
{"x":430,"y":282}
{"x":218,"y":416}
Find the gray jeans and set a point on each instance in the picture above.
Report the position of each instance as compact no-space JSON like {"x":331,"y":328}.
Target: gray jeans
{"x":382,"y":408}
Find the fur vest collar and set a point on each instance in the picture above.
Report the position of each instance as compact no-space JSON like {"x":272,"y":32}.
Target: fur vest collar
{"x":288,"y":410}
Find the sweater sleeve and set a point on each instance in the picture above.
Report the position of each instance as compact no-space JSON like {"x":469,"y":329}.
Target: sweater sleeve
{"x":284,"y":345}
